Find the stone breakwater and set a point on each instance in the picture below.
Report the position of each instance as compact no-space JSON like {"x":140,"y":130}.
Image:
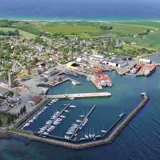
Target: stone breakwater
{"x":109,"y":139}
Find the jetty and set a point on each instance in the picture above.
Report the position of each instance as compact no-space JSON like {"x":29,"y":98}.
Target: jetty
{"x":79,"y":95}
{"x":107,"y":140}
{"x":81,"y":124}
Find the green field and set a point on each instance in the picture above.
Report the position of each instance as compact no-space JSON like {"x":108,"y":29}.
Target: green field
{"x":143,"y":23}
{"x":70,"y":29}
{"x":23,"y":34}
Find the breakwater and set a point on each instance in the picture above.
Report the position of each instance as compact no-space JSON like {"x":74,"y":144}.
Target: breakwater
{"x":107,"y":140}
{"x":80,"y":95}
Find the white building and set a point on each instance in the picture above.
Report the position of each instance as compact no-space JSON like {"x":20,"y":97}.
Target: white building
{"x":145,"y":61}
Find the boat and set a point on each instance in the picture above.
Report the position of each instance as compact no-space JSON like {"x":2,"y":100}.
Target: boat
{"x":122,"y":114}
{"x":66,"y":111}
{"x":66,"y":137}
{"x":135,"y":69}
{"x":103,"y":131}
{"x":78,"y":121}
{"x":105,"y":81}
{"x":72,"y":106}
{"x":88,"y":78}
{"x":74,"y":83}
{"x":86,"y":136}
{"x":82,"y":116}
{"x":62,"y":116}
{"x":149,"y":70}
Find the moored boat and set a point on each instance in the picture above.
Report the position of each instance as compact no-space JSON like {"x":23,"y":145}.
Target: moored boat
{"x":150,"y":69}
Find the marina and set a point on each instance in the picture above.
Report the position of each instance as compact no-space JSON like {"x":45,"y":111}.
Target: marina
{"x":107,"y":140}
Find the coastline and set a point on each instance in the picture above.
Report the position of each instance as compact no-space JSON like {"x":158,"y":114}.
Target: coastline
{"x":78,"y":19}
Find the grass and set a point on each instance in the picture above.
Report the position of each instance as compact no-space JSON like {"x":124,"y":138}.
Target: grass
{"x":147,"y":24}
{"x":151,"y":40}
{"x":28,"y":27}
{"x":20,"y":131}
{"x":23,"y":34}
{"x":70,"y":29}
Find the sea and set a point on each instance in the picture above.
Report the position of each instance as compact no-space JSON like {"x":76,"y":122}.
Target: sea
{"x":138,"y":141}
{"x":89,"y":10}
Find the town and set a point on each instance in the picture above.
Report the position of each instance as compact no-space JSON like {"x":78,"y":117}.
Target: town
{"x":30,"y":66}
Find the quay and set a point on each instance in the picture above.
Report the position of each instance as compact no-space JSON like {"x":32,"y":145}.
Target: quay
{"x":80,"y":95}
{"x":89,"y":113}
{"x":114,"y":134}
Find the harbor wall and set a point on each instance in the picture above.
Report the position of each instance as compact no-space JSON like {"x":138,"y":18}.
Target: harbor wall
{"x":114,"y":134}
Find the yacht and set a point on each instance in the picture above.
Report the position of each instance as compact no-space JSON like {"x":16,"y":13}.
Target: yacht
{"x":62,"y":116}
{"x":66,"y":137}
{"x":74,"y":83}
{"x":103,"y":131}
{"x":72,"y":106}
{"x":66,"y":111}
{"x":82,"y":116}
{"x":86,"y":136}
{"x":78,"y":121}
{"x":45,"y":133}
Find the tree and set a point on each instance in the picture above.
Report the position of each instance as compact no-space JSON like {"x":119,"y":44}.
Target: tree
{"x":8,"y":120}
{"x":21,"y":111}
{"x":24,"y":109}
{"x":0,"y":122}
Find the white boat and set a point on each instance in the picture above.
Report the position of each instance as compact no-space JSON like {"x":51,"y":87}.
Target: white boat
{"x":72,"y":106}
{"x":45,"y":133}
{"x":66,"y":137}
{"x":86,"y":136}
{"x":62,"y":116}
{"x":122,"y":114}
{"x":49,"y":104}
{"x":78,"y":121}
{"x":74,"y":83}
{"x":88,"y":78}
{"x":66,"y":111}
{"x":30,"y":121}
{"x":103,"y":131}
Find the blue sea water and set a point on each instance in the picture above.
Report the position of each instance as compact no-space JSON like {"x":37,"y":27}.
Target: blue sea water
{"x":138,"y":141}
{"x":107,"y":10}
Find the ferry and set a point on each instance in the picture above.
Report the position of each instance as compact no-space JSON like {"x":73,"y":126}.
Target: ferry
{"x":149,"y":70}
{"x":72,"y":106}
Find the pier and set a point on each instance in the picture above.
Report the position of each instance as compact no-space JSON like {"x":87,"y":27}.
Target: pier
{"x":107,"y":140}
{"x":89,"y":113}
{"x":80,"y":95}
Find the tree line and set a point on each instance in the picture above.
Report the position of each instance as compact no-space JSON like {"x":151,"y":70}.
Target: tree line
{"x":9,"y":33}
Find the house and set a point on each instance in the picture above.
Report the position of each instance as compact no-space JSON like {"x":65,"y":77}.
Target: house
{"x":145,"y":61}
{"x":133,"y":43}
{"x":26,"y":71}
{"x":34,"y":100}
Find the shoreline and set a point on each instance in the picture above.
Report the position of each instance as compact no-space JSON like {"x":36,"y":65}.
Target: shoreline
{"x":38,"y":19}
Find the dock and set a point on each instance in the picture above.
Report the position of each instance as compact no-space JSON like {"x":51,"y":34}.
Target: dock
{"x":96,"y":82}
{"x":89,"y":113}
{"x":107,"y":140}
{"x":80,"y":95}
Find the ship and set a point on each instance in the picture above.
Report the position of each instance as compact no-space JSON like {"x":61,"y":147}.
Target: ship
{"x":149,"y":70}
{"x":135,"y":69}
{"x":106,"y":81}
